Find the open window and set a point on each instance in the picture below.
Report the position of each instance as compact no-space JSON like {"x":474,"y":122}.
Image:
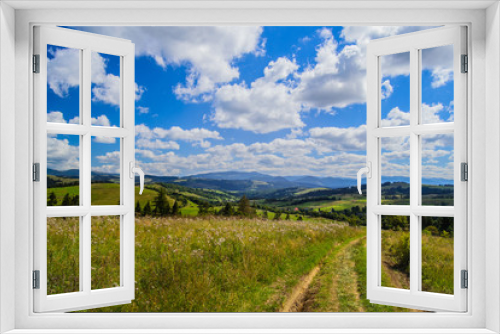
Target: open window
{"x":415,"y":139}
{"x":95,"y":121}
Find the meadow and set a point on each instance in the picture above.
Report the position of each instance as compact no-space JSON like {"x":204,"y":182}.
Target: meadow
{"x":201,"y":259}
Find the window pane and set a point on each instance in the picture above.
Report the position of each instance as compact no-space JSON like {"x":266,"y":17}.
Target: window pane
{"x":395,"y":89}
{"x":395,"y":170}
{"x":105,"y":252}
{"x":106,"y":90}
{"x":63,"y":255}
{"x":437,"y":85}
{"x":106,"y":160}
{"x":63,"y":170}
{"x":437,"y":170}
{"x":437,"y":254}
{"x":63,"y":85}
{"x":395,"y":252}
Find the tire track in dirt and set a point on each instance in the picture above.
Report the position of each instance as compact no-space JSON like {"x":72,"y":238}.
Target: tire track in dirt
{"x":302,"y":296}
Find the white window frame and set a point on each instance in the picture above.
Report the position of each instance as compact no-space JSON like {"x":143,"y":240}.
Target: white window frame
{"x":483,"y":97}
{"x":414,"y":43}
{"x":85,"y":43}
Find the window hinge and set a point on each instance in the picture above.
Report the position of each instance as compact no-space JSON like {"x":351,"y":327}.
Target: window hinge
{"x":36,"y":63}
{"x":36,"y":279}
{"x":464,"y":171}
{"x":36,"y":172}
{"x":465,"y":279}
{"x":465,"y":64}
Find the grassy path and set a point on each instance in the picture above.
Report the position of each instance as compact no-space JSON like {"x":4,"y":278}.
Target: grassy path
{"x":303,"y":294}
{"x":338,"y":283}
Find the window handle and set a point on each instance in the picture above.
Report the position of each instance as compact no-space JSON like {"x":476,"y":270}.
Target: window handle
{"x":136,"y":170}
{"x":365,"y":170}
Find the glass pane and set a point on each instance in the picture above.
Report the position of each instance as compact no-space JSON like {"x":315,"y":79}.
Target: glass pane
{"x":437,"y":169}
{"x":395,"y":252}
{"x":437,"y":254}
{"x":395,"y":170}
{"x":105,"y":171}
{"x":105,"y":252}
{"x":437,"y":85}
{"x":106,"y":86}
{"x":63,"y":85}
{"x":395,"y":89}
{"x":63,"y":255}
{"x":63,"y":170}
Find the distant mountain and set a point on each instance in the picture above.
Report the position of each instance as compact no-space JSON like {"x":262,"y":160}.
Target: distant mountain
{"x":323,"y":182}
{"x":278,"y":181}
{"x":252,"y":182}
{"x":64,"y":173}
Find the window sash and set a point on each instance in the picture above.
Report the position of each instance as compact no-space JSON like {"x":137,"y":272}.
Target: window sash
{"x":87,"y":43}
{"x":414,"y":298}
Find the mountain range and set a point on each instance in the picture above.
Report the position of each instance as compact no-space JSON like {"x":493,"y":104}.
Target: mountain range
{"x":236,"y":181}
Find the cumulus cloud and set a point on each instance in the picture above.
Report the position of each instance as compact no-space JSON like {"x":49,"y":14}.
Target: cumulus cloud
{"x":154,"y":138}
{"x":63,"y":70}
{"x":207,"y":51}
{"x":439,"y":60}
{"x":341,"y":139}
{"x":336,"y":80}
{"x":386,"y":89}
{"x":396,"y":117}
{"x":105,"y":140}
{"x":265,"y":106}
{"x":217,"y":158}
{"x":63,"y":73}
{"x":142,"y":110}
{"x":55,"y":117}
{"x":61,"y":155}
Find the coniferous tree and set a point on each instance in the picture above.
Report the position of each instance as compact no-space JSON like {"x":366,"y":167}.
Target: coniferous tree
{"x":228,"y":210}
{"x":175,"y":208}
{"x":244,"y":207}
{"x":52,"y":199}
{"x":265,"y":215}
{"x":147,"y":209}
{"x":162,"y":206}
{"x":75,"y":200}
{"x":277,"y":216}
{"x":138,"y":210}
{"x":287,"y":216}
{"x":66,"y":201}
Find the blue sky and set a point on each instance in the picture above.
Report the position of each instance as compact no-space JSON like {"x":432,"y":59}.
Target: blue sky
{"x":278,"y":100}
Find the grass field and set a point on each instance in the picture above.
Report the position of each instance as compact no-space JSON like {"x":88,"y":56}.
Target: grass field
{"x":437,"y":261}
{"x":238,"y":264}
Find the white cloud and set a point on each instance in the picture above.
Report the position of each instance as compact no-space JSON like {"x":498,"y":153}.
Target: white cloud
{"x":430,"y":113}
{"x":61,"y":155}
{"x":438,"y":60}
{"x":63,"y":73}
{"x":100,"y":121}
{"x":142,"y":110}
{"x":265,"y":106}
{"x":208,"y":51}
{"x":340,"y":139}
{"x":63,"y":70}
{"x":55,"y":117}
{"x":280,"y":69}
{"x":157,"y":144}
{"x":386,"y":89}
{"x":396,"y":117}
{"x":336,"y":80}
{"x":105,"y":140}
{"x":152,"y":138}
